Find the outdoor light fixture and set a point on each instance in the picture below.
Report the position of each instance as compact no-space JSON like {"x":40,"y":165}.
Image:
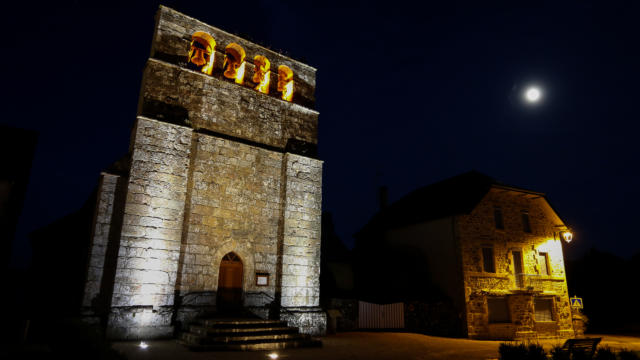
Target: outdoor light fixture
{"x":143,"y":345}
{"x":273,"y":356}
{"x":567,"y":236}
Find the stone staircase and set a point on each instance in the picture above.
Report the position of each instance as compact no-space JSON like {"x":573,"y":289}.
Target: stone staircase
{"x":244,"y":334}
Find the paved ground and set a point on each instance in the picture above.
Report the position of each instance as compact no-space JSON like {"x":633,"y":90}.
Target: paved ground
{"x":361,"y":345}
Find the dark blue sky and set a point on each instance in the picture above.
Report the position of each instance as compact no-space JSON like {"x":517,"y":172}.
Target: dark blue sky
{"x":407,"y":96}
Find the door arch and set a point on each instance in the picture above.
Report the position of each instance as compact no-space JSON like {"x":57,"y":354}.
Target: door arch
{"x":230,"y":282}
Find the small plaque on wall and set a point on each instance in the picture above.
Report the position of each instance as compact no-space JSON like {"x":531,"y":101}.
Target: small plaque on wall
{"x":262,"y":279}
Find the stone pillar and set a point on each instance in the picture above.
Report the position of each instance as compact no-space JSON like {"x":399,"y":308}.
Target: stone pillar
{"x":92,"y":304}
{"x":522,"y":313}
{"x":300,"y":284}
{"x":143,"y":294}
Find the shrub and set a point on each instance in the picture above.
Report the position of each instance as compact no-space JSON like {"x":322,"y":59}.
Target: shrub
{"x":521,"y":351}
{"x":625,"y":354}
{"x":557,"y":353}
{"x":536,"y":352}
{"x":604,"y":353}
{"x":512,"y":351}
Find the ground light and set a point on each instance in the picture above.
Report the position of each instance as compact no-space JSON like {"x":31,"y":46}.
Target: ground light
{"x":143,"y":345}
{"x":273,"y":356}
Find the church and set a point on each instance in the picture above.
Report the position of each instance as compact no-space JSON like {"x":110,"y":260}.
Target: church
{"x":217,"y":205}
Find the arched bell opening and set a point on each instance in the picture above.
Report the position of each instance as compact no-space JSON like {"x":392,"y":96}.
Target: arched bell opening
{"x":201,"y":50}
{"x":230,"y":282}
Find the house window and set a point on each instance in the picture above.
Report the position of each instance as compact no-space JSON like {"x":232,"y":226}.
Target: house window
{"x":488,"y":261}
{"x":497,"y":216}
{"x":543,"y":309}
{"x":498,"y":310}
{"x":543,"y":261}
{"x":526,"y":225}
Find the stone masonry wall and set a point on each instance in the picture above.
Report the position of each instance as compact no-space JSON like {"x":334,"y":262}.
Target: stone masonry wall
{"x":100,"y":237}
{"x":301,"y":245}
{"x":301,"y":253}
{"x":204,"y":102}
{"x":173,"y":35}
{"x":477,"y":230}
{"x":151,"y":233}
{"x":234,"y":206}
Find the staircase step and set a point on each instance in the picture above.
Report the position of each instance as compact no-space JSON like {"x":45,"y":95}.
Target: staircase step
{"x":241,"y":323}
{"x":210,"y":331}
{"x":212,"y":334}
{"x":273,"y":345}
{"x":222,"y":340}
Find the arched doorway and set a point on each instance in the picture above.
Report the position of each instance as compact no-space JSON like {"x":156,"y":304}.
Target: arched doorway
{"x":230,"y":282}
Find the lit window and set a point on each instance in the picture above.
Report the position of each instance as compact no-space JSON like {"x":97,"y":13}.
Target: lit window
{"x":488,"y":262}
{"x":543,"y":309}
{"x":497,"y":216}
{"x":498,"y":310}
{"x":543,"y":261}
{"x":526,"y":226}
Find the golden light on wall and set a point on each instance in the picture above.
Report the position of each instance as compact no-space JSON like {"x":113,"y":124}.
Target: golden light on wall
{"x":285,"y":82}
{"x":234,"y":63}
{"x":262,"y":74}
{"x":201,"y":49}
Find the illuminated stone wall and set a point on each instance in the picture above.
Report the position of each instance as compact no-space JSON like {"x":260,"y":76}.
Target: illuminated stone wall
{"x":301,"y":246}
{"x":144,"y":284}
{"x":216,"y":167}
{"x":477,"y":230}
{"x":100,"y":238}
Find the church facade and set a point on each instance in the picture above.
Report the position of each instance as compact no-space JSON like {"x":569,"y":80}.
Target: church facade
{"x":218,"y":204}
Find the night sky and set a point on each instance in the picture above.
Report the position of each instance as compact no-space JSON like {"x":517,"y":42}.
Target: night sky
{"x":407,"y":96}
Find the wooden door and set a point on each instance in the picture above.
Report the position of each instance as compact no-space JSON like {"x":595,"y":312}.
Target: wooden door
{"x":230,"y":282}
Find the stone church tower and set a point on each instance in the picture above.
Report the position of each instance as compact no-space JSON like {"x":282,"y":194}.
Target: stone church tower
{"x":218,"y":204}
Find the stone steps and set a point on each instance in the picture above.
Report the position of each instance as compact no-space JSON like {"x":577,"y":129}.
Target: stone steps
{"x":244,"y":334}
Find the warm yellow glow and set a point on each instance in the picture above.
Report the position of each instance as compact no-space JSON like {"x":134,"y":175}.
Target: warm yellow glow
{"x":200,"y":52}
{"x":567,"y":236}
{"x":262,"y":75}
{"x":287,"y":94}
{"x":273,"y":356}
{"x":234,"y":63}
{"x":285,"y":82}
{"x":240,"y":73}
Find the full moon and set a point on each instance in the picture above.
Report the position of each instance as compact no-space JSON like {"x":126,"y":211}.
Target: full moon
{"x":533,"y":94}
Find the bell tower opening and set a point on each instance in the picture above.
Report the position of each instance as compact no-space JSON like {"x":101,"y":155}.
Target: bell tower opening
{"x":230,"y":283}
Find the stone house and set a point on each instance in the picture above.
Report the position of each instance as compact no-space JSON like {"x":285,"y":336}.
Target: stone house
{"x":218,"y":203}
{"x":492,"y":252}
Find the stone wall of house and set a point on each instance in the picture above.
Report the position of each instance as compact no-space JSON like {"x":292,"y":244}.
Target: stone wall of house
{"x":477,"y":230}
{"x":150,"y":241}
